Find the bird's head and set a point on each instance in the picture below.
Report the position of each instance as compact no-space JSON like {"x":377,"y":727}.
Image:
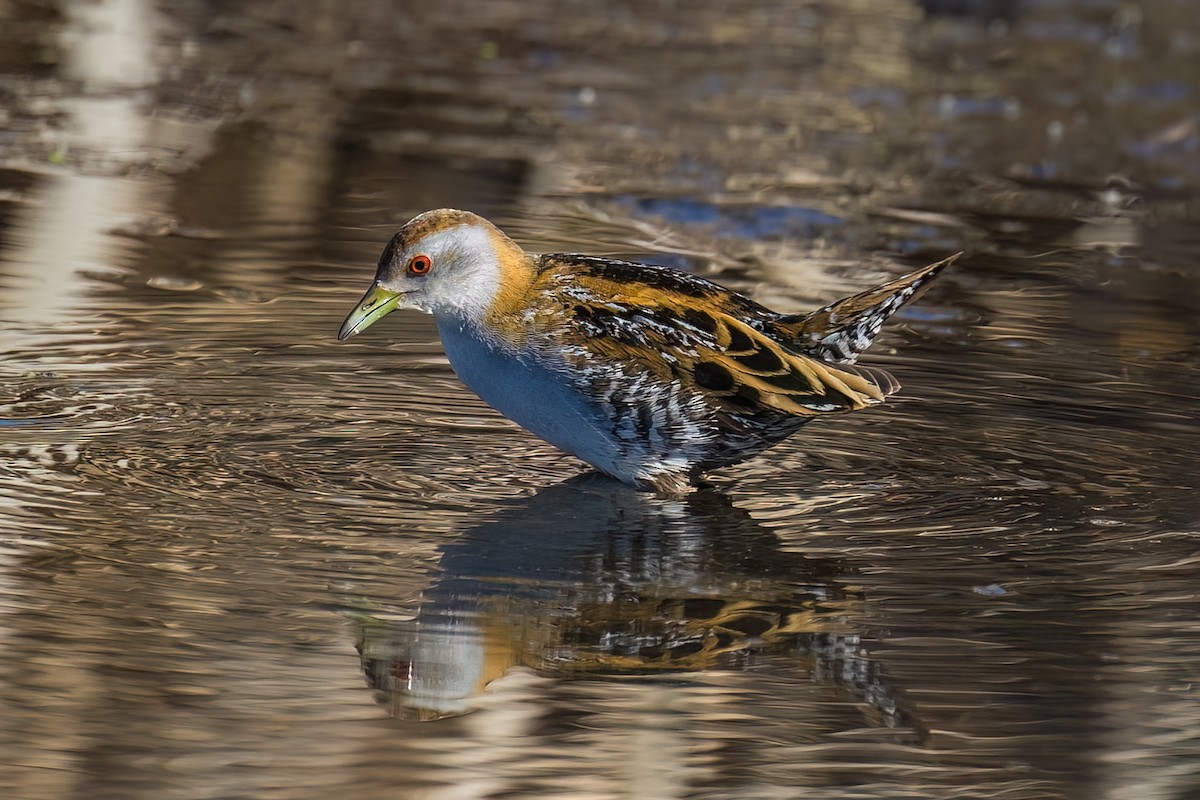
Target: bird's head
{"x":447,"y":263}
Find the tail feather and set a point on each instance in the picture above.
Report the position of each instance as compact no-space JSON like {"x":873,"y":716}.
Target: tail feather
{"x":839,"y":332}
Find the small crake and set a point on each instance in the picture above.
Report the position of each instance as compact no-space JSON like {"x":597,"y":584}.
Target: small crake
{"x":651,"y":375}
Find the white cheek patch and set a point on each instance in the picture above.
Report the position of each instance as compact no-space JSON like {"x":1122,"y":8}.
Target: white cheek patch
{"x":466,"y":271}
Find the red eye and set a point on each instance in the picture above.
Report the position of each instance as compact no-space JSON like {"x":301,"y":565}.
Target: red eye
{"x":419,"y":265}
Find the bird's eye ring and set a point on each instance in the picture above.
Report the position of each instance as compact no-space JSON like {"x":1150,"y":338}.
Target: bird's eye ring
{"x":419,"y":265}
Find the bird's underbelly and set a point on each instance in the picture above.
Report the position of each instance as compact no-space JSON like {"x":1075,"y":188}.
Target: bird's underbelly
{"x":540,"y":400}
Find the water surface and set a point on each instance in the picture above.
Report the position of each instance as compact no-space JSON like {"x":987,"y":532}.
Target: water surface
{"x":238,"y":559}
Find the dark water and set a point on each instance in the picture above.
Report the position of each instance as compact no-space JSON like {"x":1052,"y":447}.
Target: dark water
{"x":239,"y":560}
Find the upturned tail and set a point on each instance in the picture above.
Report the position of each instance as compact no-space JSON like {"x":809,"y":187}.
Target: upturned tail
{"x":839,"y":332}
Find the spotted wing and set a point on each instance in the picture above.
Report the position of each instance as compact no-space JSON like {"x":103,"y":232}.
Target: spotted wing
{"x":712,"y":355}
{"x":839,"y":332}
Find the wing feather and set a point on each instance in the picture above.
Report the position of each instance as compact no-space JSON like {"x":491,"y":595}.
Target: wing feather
{"x":734,"y":366}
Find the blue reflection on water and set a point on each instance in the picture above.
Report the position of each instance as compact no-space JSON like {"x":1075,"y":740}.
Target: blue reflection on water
{"x":748,"y":221}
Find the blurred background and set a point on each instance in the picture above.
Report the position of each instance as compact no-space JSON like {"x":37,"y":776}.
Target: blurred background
{"x":239,"y":560}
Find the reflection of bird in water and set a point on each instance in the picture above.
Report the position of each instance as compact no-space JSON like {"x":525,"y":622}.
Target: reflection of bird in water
{"x":590,"y":578}
{"x":650,"y":375}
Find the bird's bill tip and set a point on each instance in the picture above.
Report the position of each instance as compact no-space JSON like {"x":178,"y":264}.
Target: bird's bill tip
{"x":376,"y":304}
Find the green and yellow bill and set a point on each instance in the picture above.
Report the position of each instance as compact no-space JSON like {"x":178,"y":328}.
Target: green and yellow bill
{"x":376,"y":304}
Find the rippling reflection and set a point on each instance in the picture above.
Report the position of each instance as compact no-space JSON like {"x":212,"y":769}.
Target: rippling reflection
{"x":986,"y":588}
{"x":589,"y":578}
